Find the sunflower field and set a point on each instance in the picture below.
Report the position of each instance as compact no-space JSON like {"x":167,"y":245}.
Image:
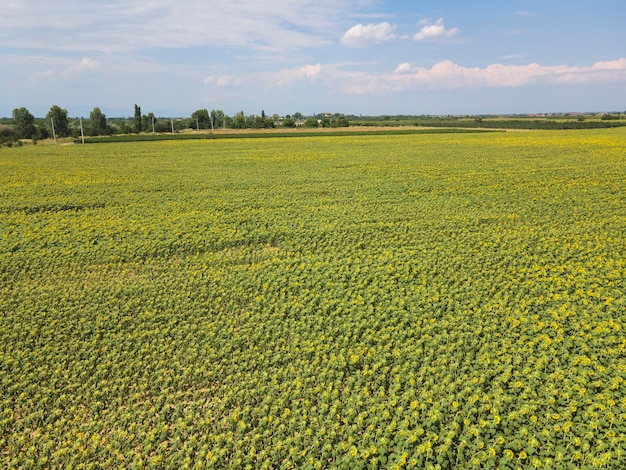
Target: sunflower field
{"x":384,"y":301}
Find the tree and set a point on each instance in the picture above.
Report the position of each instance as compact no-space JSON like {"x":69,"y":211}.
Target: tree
{"x":147,"y":120}
{"x":324,"y":122}
{"x":341,"y":121}
{"x":258,"y":122}
{"x":298,"y":116}
{"x":59,"y":117}
{"x":162,"y":126}
{"x":218,"y":118}
{"x":201,"y":119}
{"x":6,"y":135}
{"x":124,"y":128}
{"x":137,"y":119}
{"x":97,"y":123}
{"x":239,"y":121}
{"x":42,"y":131}
{"x":311,"y":122}
{"x":23,"y":124}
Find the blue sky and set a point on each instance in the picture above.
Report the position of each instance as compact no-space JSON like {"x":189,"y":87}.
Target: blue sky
{"x":311,"y":56}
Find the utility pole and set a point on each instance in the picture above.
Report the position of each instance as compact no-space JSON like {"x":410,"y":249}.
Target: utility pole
{"x":54,"y":136}
{"x":153,"y":124}
{"x":82,"y":135}
{"x":172,"y":122}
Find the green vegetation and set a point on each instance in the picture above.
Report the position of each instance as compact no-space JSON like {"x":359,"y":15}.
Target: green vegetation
{"x":261,"y":134}
{"x":562,"y":122}
{"x":370,"y":301}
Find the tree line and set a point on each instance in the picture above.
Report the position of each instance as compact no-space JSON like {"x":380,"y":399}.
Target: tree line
{"x":24,"y":125}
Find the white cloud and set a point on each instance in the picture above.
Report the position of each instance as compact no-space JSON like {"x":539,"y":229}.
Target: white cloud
{"x":362,"y":35}
{"x":86,"y":65}
{"x":39,"y":67}
{"x":433,"y":30}
{"x":311,"y":71}
{"x":227,"y":80}
{"x":619,"y":65}
{"x":402,"y":68}
{"x":224,"y":80}
{"x":282,"y":78}
{"x":287,"y":77}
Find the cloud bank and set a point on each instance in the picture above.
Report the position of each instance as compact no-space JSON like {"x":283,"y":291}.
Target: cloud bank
{"x":446,"y":75}
{"x":122,"y":26}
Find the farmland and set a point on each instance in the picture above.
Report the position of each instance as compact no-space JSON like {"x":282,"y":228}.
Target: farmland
{"x":375,"y":301}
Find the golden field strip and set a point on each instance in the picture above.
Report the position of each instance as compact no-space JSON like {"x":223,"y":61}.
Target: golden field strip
{"x":375,"y":301}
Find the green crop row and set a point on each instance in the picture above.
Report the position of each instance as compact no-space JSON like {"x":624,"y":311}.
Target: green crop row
{"x":272,"y":134}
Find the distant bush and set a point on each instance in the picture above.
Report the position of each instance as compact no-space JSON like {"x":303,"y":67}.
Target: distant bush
{"x":312,"y":123}
{"x":5,"y":131}
{"x":6,"y":136}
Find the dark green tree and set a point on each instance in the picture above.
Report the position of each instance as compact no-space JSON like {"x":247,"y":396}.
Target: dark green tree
{"x":201,"y":119}
{"x":23,"y":124}
{"x":311,"y":122}
{"x":258,"y":122}
{"x":162,"y":126}
{"x":42,"y":130}
{"x":137,"y":119}
{"x":239,"y":121}
{"x":218,"y":118}
{"x":59,"y":117}
{"x":97,"y":123}
{"x":6,"y":135}
{"x":341,"y":121}
{"x":124,"y":128}
{"x":146,"y":122}
{"x":325,"y":122}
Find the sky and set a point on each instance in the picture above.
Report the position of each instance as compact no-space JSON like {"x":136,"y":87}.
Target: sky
{"x":311,"y":56}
